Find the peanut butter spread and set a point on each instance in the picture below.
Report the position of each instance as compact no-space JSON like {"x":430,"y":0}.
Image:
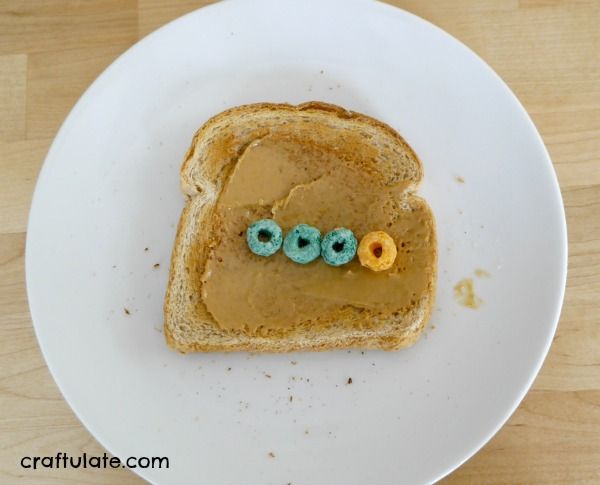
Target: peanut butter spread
{"x":292,"y":182}
{"x":464,"y":293}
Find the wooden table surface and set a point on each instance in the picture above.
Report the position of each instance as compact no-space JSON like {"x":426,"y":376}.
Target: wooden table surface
{"x":548,"y":51}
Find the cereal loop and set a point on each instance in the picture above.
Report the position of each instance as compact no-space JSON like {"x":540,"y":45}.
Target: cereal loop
{"x":302,"y":244}
{"x":377,"y":251}
{"x":338,"y":247}
{"x":264,"y":237}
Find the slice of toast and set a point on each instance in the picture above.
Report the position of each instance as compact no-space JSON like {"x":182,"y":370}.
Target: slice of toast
{"x":216,"y":147}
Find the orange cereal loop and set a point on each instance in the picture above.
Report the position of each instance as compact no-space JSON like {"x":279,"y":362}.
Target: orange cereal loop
{"x":377,"y":251}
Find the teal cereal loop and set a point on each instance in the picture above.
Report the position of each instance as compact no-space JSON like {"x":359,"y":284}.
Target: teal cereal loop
{"x":338,"y":246}
{"x":264,"y":237}
{"x":302,"y":244}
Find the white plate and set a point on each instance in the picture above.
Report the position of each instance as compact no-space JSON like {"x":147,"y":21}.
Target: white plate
{"x":110,"y":188}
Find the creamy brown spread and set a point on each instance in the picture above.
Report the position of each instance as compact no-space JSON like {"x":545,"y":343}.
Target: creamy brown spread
{"x":292,"y":182}
{"x":464,"y":293}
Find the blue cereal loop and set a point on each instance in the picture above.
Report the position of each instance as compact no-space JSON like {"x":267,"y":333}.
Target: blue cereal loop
{"x":338,"y":246}
{"x":302,"y":244}
{"x":264,"y":237}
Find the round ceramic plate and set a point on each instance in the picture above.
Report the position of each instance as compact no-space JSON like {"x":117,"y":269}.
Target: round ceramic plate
{"x":103,"y":222}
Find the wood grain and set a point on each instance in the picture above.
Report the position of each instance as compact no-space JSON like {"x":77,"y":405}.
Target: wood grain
{"x":13,"y":78}
{"x":546,"y":50}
